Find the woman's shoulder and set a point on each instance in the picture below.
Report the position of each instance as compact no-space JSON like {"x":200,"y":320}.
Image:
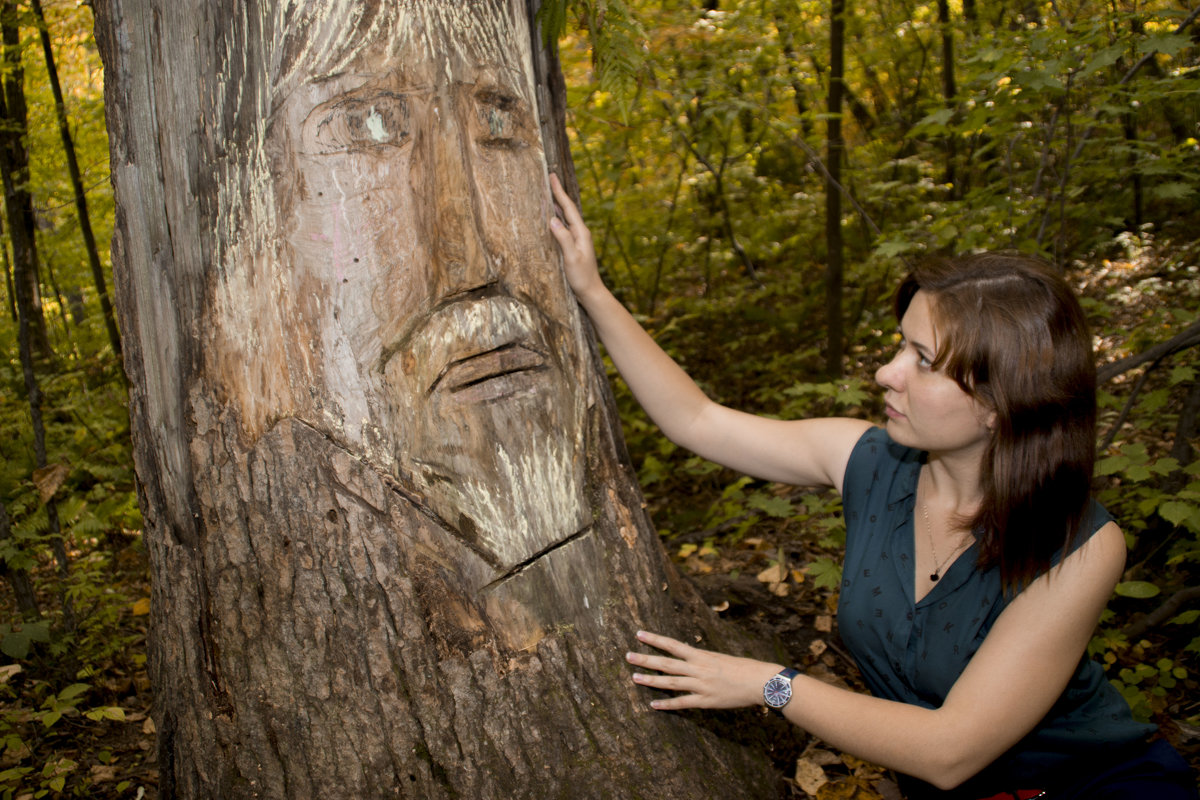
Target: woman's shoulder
{"x":880,"y":471}
{"x":875,"y":449}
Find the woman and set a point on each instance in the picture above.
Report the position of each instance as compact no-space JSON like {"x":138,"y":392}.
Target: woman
{"x":976,"y":564}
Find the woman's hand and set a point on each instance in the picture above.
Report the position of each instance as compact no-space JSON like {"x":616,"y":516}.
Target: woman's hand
{"x":575,"y":241}
{"x":708,"y":679}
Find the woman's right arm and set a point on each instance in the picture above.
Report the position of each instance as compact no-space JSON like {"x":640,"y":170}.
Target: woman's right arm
{"x":804,"y":453}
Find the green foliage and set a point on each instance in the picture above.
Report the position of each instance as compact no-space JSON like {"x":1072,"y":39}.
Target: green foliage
{"x":703,"y":188}
{"x":1146,"y":686}
{"x":66,"y":661}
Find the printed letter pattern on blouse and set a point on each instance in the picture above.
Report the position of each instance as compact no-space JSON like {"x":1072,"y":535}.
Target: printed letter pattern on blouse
{"x":914,"y":652}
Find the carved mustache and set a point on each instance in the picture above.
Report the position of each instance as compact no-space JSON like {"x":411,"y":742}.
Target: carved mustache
{"x":473,"y":339}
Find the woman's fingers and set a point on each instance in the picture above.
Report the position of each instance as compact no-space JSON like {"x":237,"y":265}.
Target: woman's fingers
{"x":704,"y":678}
{"x":667,"y":644}
{"x":671,"y":666}
{"x":570,"y":211}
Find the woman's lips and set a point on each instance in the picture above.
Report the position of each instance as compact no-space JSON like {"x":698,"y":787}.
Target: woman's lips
{"x":891,"y":411}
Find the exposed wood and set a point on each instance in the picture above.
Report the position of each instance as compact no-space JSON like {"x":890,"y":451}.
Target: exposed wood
{"x":396,"y":545}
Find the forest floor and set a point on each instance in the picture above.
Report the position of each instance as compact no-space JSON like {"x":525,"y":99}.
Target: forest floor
{"x":115,"y":758}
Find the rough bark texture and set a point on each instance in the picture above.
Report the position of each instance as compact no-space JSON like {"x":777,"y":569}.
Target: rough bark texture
{"x":396,"y":547}
{"x":14,"y":167}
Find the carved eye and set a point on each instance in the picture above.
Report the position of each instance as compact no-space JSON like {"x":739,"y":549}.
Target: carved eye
{"x":348,"y":123}
{"x":503,"y":121}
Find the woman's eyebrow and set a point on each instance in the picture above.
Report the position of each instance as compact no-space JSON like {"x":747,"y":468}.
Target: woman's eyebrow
{"x":923,"y":349}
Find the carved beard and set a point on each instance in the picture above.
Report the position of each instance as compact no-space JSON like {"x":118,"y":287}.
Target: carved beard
{"x":493,"y":440}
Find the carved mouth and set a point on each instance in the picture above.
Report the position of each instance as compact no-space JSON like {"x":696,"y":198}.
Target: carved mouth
{"x":492,"y":374}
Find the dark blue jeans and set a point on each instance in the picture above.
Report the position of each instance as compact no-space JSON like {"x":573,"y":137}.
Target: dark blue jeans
{"x":1156,"y":772}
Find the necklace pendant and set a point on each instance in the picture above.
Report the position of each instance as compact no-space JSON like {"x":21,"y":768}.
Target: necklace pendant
{"x":933,"y":576}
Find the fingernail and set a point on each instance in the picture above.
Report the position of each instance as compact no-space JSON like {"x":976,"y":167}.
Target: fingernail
{"x":638,"y":677}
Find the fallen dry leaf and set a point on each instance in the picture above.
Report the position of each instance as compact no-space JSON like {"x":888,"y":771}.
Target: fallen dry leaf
{"x":810,"y":777}
{"x":776,"y":573}
{"x":823,"y":623}
{"x":102,"y":773}
{"x":48,"y":479}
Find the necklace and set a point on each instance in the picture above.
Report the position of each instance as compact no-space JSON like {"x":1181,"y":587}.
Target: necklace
{"x":937,"y":566}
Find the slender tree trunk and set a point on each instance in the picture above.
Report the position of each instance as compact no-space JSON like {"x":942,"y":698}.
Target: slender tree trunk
{"x":8,"y":277}
{"x":18,"y":578}
{"x":397,"y":548}
{"x":835,"y":147}
{"x":14,"y":167}
{"x":949,"y":94}
{"x":81,"y":205}
{"x":33,"y":390}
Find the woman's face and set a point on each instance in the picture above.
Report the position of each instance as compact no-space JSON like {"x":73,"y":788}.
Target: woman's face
{"x":926,"y":409}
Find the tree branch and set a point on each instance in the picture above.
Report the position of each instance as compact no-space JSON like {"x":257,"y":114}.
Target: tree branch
{"x":1160,"y":615}
{"x":1189,"y":337}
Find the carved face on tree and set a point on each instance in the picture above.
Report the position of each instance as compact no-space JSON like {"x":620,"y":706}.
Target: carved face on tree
{"x":409,"y":183}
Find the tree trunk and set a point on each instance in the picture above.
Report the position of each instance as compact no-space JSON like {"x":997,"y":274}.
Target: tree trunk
{"x":8,"y":278}
{"x":14,"y":167}
{"x":835,"y":147}
{"x":396,"y":546}
{"x":81,"y":207}
{"x":18,"y":577}
{"x":949,"y":95}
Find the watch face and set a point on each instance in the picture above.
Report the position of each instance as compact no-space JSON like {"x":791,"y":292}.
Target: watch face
{"x":777,"y":692}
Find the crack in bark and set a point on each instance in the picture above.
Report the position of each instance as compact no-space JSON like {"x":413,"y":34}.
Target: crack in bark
{"x":521,"y":567}
{"x":393,"y":483}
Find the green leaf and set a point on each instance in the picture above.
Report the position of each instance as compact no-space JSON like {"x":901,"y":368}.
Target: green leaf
{"x":73,"y":691}
{"x":1172,"y":191}
{"x":939,"y":117}
{"x":1186,"y":618}
{"x":1168,"y":43}
{"x":825,"y":573}
{"x":1105,"y":57}
{"x":778,"y":507}
{"x":1139,"y":590}
{"x":106,"y":712}
{"x":1177,"y":512}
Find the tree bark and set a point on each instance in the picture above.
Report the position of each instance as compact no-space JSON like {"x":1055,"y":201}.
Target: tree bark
{"x":14,"y":167}
{"x":835,"y":147}
{"x":949,"y":95}
{"x":81,"y":206}
{"x":396,"y":546}
{"x":18,"y":577}
{"x":8,"y":278}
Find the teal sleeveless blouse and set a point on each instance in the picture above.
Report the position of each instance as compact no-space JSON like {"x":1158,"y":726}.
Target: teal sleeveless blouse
{"x":914,"y":652}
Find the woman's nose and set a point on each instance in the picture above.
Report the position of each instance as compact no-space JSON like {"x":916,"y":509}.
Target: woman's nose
{"x":888,"y":375}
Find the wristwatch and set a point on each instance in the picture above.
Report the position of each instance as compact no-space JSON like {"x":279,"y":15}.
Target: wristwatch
{"x":778,"y":691}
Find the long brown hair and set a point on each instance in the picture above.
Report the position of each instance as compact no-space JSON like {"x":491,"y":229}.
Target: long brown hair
{"x":1017,"y":341}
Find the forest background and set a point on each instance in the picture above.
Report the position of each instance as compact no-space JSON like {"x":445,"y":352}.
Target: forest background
{"x":714,"y":142}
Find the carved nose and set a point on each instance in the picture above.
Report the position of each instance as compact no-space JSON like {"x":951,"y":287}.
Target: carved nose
{"x":461,"y":256}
